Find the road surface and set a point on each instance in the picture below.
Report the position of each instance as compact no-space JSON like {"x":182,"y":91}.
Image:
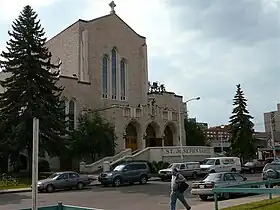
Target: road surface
{"x":154,"y":195}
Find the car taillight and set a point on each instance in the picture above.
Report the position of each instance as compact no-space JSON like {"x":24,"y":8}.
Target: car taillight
{"x":210,"y":185}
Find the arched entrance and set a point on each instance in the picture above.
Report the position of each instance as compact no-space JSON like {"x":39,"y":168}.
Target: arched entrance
{"x":131,"y":136}
{"x":169,"y":135}
{"x":151,"y":137}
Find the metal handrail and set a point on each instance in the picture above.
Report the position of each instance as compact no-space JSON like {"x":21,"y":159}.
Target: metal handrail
{"x":247,"y":188}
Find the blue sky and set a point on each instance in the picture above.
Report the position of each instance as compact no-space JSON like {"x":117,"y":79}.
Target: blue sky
{"x":196,"y":47}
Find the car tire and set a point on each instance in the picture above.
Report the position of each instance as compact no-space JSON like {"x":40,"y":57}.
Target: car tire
{"x":117,"y":182}
{"x":143,"y":179}
{"x":49,"y":188}
{"x":233,"y":170}
{"x":203,"y":197}
{"x":80,"y":186}
{"x":194,"y":175}
{"x":226,"y":196}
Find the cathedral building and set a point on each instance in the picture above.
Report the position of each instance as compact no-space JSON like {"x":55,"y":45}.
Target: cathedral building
{"x":104,"y":68}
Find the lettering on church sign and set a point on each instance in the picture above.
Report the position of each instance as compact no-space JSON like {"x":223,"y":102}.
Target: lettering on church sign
{"x":186,"y":151}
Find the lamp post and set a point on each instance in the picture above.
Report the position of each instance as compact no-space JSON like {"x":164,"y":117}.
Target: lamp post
{"x":272,"y":135}
{"x":180,"y":122}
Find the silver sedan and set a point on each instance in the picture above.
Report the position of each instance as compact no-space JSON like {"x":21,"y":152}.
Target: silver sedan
{"x":63,"y":180}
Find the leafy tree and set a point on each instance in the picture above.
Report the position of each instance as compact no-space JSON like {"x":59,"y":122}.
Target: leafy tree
{"x":30,"y":90}
{"x":241,"y":128}
{"x":94,"y":137}
{"x":194,"y":134}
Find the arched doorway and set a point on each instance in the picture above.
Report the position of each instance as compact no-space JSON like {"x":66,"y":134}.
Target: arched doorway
{"x":131,"y":136}
{"x":169,"y":134}
{"x":151,"y":136}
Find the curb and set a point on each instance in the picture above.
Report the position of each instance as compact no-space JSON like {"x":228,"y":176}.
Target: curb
{"x":15,"y":191}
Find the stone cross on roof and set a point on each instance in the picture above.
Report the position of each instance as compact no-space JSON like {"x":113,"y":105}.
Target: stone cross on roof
{"x":112,"y":5}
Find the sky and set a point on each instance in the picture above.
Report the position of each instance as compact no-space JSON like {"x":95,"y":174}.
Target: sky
{"x":196,"y":47}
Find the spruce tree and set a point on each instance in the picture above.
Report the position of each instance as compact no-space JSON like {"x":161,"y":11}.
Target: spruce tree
{"x":241,"y":128}
{"x":31,"y":90}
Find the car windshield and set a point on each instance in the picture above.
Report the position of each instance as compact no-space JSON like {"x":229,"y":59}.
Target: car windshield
{"x":119,"y":168}
{"x":272,"y":166}
{"x":213,"y":177}
{"x":209,"y":162}
{"x":54,"y":175}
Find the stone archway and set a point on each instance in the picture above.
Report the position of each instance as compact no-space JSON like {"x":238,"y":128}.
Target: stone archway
{"x":131,"y":136}
{"x":152,"y":135}
{"x":169,"y":134}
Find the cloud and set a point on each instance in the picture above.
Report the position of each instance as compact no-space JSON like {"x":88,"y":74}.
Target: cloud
{"x":196,"y":48}
{"x":10,"y":9}
{"x":205,"y":48}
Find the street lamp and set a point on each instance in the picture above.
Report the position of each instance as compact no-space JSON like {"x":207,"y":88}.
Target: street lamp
{"x":272,"y":135}
{"x":180,"y":123}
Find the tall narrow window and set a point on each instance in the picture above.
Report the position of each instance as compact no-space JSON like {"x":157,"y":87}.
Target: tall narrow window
{"x":122,"y":76}
{"x":71,"y":115}
{"x":114,"y":74}
{"x":63,"y":109}
{"x":104,"y":77}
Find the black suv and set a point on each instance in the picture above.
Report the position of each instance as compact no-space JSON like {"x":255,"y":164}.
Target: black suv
{"x":271,"y":171}
{"x":126,"y":173}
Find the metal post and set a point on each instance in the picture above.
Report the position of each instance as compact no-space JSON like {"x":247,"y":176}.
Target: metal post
{"x":216,"y":201}
{"x":272,"y":140}
{"x":180,"y":132}
{"x":35,"y":163}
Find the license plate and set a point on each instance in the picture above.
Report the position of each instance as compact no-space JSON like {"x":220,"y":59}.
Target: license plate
{"x":201,"y":186}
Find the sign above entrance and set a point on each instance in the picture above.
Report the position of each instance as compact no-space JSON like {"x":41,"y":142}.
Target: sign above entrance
{"x":174,"y":151}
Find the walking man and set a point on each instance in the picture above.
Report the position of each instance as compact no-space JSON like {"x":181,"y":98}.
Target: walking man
{"x":177,"y":178}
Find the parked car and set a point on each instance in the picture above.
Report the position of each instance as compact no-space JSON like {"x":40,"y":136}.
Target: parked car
{"x":188,"y":169}
{"x":126,"y":173}
{"x":255,"y":166}
{"x":271,"y":171}
{"x":221,"y":164}
{"x":63,"y":180}
{"x":223,"y":179}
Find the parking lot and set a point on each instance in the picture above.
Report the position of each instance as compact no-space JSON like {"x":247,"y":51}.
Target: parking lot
{"x":154,"y":195}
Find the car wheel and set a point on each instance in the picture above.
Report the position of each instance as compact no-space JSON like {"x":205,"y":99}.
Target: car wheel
{"x":117,"y":182}
{"x":252,"y":171}
{"x":233,"y":170}
{"x":203,"y":197}
{"x":226,"y":196}
{"x":194,"y":175}
{"x":80,"y":186}
{"x":50,"y":188}
{"x":143,"y":179}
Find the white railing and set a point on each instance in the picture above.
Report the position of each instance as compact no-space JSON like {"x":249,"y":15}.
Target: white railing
{"x":93,"y":167}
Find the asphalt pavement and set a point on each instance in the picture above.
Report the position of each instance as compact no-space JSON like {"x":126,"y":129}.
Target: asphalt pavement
{"x":154,"y":195}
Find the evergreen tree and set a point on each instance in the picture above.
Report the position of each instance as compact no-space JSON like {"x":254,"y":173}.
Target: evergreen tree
{"x":30,"y":90}
{"x":241,"y":128}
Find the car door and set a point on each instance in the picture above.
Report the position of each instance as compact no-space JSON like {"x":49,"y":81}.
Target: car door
{"x":74,"y":178}
{"x":229,"y":179}
{"x":218,"y":167}
{"x":62,"y":181}
{"x":239,"y":179}
{"x":182,"y":169}
{"x":127,"y":173}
